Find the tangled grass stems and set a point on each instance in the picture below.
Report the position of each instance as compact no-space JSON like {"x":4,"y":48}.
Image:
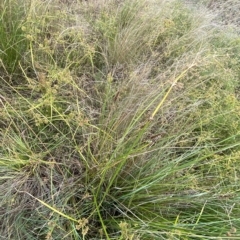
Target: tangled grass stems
{"x":119,"y":120}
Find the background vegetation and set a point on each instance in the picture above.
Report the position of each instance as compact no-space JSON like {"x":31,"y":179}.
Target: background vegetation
{"x":119,"y":120}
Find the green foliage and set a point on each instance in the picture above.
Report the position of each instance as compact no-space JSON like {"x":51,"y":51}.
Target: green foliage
{"x":125,"y":124}
{"x":13,"y":43}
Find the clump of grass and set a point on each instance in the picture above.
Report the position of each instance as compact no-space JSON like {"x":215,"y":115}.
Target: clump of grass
{"x":13,"y":43}
{"x":125,"y":125}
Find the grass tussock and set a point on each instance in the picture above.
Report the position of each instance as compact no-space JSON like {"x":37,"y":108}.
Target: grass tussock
{"x":119,"y":120}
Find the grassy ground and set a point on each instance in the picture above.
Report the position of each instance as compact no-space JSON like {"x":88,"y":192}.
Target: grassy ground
{"x":227,"y":11}
{"x":119,"y":120}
